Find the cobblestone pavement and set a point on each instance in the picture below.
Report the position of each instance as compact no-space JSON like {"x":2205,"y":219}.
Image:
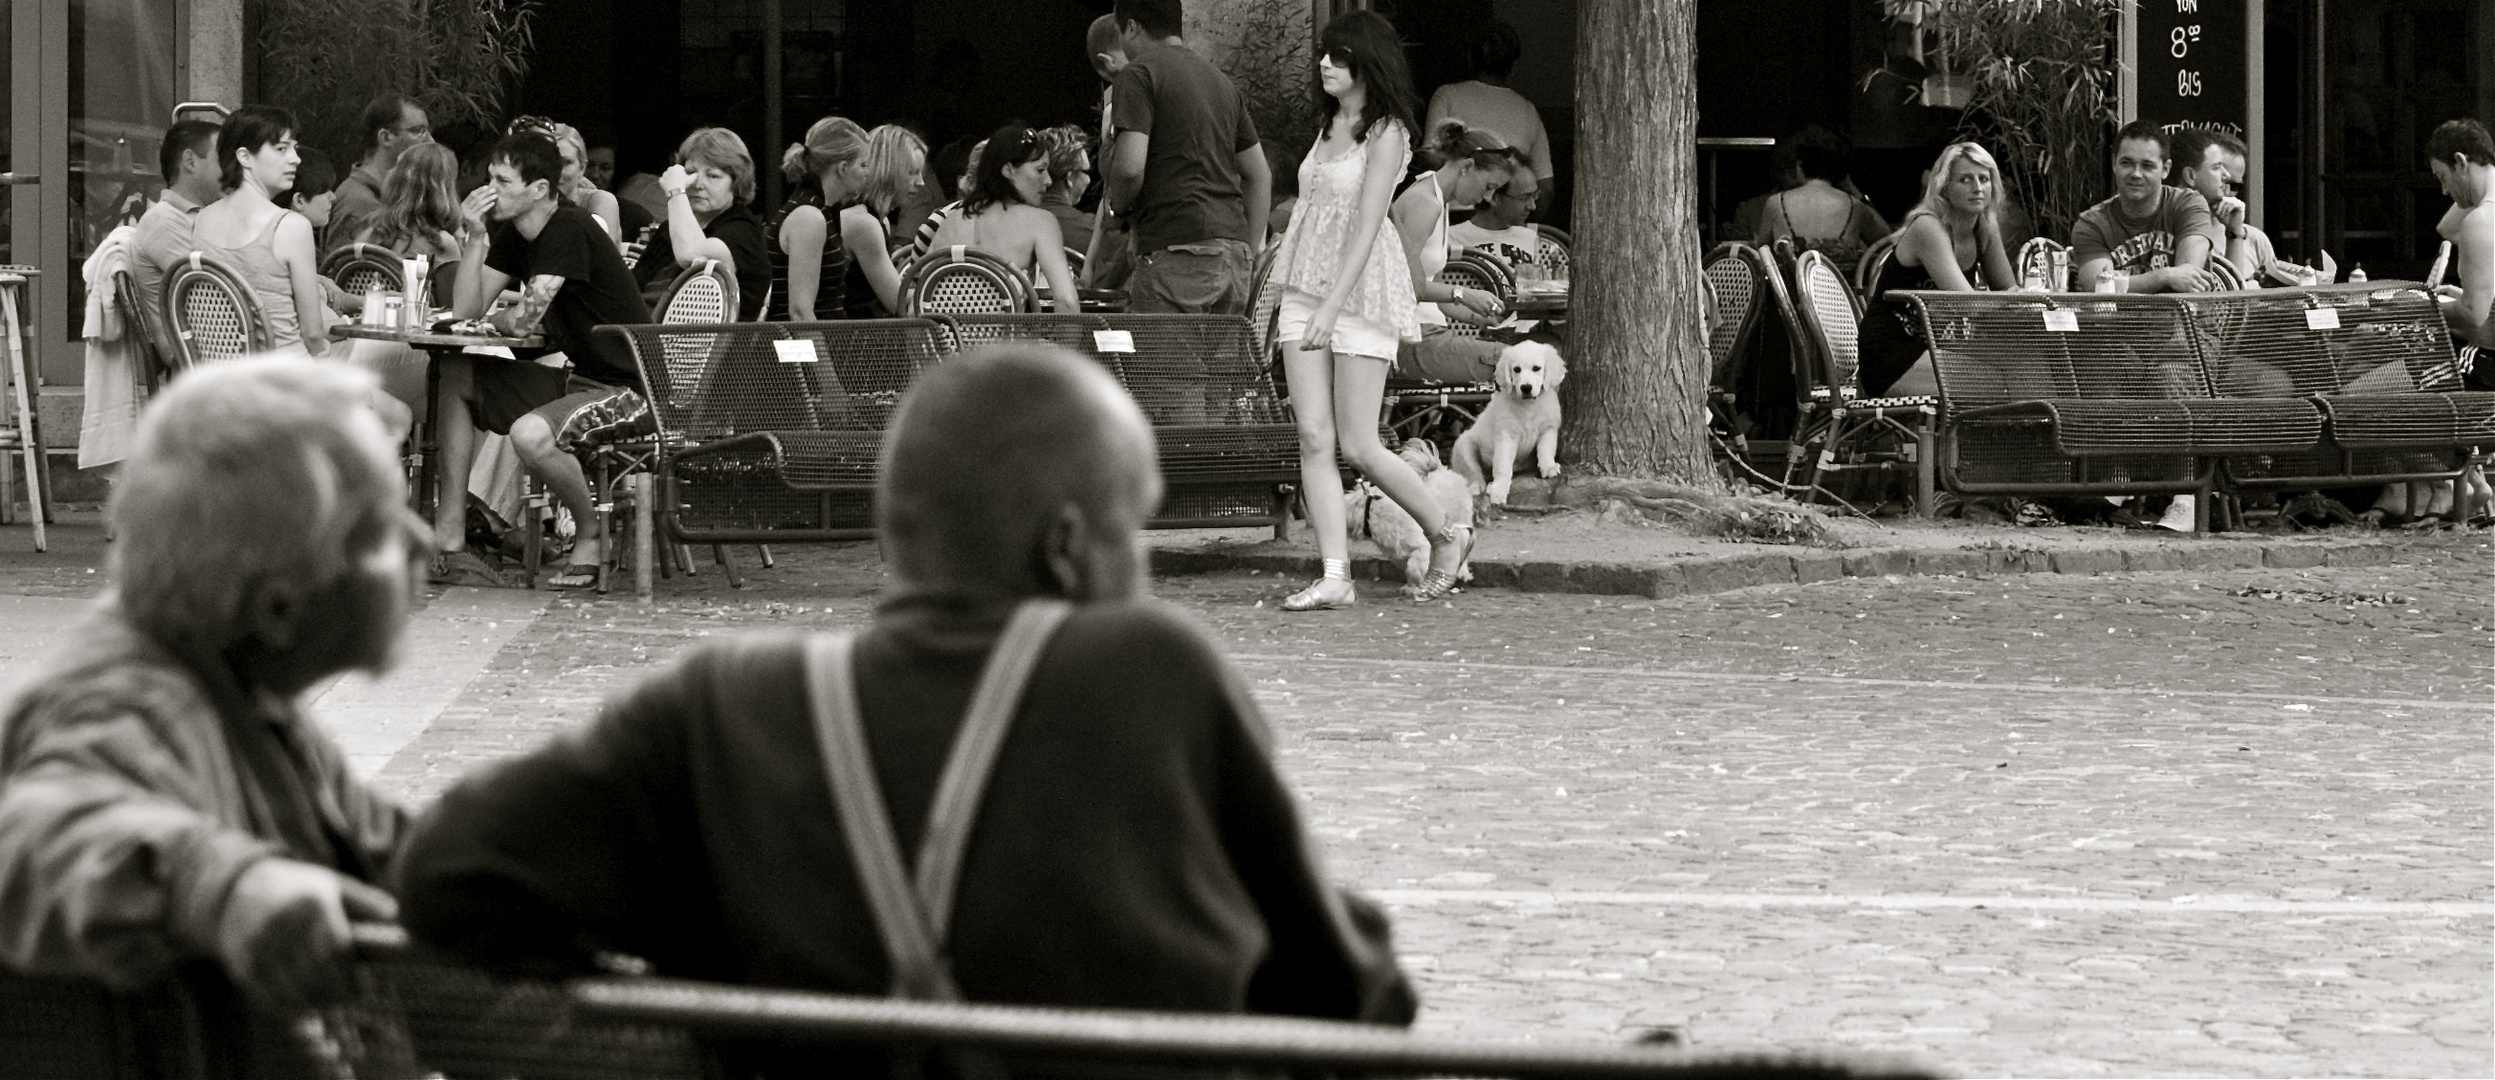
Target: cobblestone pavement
{"x":2226,"y":823}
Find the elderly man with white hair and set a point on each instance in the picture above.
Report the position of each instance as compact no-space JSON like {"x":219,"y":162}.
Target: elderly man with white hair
{"x":1081,"y":779}
{"x":165,"y":808}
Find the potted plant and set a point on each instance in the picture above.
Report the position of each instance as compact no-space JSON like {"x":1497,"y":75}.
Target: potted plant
{"x":323,"y":59}
{"x":2034,"y":80}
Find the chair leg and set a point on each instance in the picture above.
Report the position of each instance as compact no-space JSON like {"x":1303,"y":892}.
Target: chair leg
{"x":767,"y":561}
{"x":1925,"y":498}
{"x":684,"y":558}
{"x":644,"y":545}
{"x":532,"y":537}
{"x":720,"y":553}
{"x":605,"y":510}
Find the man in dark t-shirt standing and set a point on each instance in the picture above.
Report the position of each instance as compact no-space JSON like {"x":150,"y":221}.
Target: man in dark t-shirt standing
{"x":572,"y":280}
{"x":1186,"y":172}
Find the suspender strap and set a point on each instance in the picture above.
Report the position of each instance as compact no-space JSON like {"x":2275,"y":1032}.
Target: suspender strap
{"x":975,"y":748}
{"x":913,"y":921}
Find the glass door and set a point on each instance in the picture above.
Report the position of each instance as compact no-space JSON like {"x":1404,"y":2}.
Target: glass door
{"x":90,"y":88}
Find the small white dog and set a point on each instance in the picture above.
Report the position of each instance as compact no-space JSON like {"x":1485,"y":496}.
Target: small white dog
{"x":1377,"y":517}
{"x":1522,"y":419}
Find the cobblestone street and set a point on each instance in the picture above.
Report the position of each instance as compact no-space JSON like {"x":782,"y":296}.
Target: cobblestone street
{"x":2163,"y":823}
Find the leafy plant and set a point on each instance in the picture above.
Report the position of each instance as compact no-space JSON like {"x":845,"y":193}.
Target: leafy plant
{"x":2042,"y":95}
{"x":1274,"y":71}
{"x":323,"y":59}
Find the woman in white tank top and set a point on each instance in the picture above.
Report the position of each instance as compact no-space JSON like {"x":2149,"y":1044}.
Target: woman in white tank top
{"x":1471,"y":164}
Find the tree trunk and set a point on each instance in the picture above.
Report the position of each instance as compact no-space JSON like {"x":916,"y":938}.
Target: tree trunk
{"x":1636,"y":388}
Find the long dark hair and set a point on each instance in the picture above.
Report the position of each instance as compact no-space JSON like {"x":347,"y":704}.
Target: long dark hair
{"x":1364,"y":42}
{"x":1009,"y":147}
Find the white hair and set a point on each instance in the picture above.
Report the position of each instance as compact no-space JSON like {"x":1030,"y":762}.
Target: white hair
{"x":246,"y":476}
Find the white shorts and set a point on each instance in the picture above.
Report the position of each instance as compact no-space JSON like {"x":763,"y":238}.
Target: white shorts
{"x":1352,"y":334}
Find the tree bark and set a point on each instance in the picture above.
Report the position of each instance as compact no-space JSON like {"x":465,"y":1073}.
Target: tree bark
{"x":1636,"y":389}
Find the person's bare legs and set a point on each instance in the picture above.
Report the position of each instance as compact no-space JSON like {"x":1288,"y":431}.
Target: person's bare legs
{"x":533,"y":438}
{"x":454,"y":435}
{"x":1359,"y":394}
{"x":1309,"y":373}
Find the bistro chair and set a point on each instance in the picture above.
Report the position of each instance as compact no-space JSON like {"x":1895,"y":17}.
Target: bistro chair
{"x":213,"y":314}
{"x":1875,"y":261}
{"x":147,"y":339}
{"x":1841,"y":431}
{"x":1439,"y":411}
{"x":702,"y":295}
{"x":962,"y":280}
{"x":1265,"y":311}
{"x":1478,"y":270}
{"x":1554,"y":252}
{"x":360,"y":268}
{"x":2035,"y":258}
{"x":2230,"y":276}
{"x":1733,"y":294}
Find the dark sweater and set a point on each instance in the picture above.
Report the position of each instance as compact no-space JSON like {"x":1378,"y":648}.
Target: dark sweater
{"x":1135,"y":848}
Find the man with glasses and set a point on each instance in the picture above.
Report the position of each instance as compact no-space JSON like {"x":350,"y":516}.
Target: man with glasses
{"x":1498,"y":225}
{"x":392,"y":123}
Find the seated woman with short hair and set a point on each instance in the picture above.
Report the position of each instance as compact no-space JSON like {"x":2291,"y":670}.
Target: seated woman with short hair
{"x":269,"y":246}
{"x":1001,"y":215}
{"x":708,"y":190}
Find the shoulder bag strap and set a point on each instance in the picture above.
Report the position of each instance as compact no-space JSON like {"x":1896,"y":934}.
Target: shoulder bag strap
{"x":909,"y":943}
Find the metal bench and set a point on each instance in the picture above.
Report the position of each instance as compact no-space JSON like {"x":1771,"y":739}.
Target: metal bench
{"x":2366,"y":356}
{"x":768,"y":432}
{"x":415,"y":1015}
{"x":1226,"y":442}
{"x":2088,"y":394}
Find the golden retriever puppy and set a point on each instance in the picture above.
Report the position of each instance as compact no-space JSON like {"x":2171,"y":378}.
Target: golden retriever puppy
{"x":1377,"y":517}
{"x":1523,"y":418}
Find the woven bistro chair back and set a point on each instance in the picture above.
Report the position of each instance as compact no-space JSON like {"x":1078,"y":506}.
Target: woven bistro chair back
{"x":962,"y":280}
{"x":1875,"y":260}
{"x":2034,"y":257}
{"x":702,"y":294}
{"x":359,"y":268}
{"x":146,"y":334}
{"x":1554,"y":254}
{"x":1831,"y":317}
{"x":1733,"y":285}
{"x":212,"y":313}
{"x":1477,"y":270}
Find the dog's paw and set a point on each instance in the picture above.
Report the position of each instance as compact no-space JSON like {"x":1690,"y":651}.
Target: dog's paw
{"x":1546,"y":472}
{"x":1496,"y":493}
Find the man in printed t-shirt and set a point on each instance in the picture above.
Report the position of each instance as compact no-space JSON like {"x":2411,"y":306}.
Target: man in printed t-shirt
{"x":2158,"y":234}
{"x":571,"y":279}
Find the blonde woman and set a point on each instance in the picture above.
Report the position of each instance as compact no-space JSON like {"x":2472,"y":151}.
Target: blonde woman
{"x":1951,"y":240}
{"x":1347,"y":303}
{"x":838,"y":178}
{"x":896,"y":168}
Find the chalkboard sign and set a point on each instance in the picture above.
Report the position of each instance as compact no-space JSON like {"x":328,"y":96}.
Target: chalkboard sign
{"x":2192,"y":64}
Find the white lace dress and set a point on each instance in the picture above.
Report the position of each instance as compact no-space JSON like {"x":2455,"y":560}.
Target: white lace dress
{"x":1312,"y":249}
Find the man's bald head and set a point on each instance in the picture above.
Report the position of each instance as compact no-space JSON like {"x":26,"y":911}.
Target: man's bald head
{"x":1107,"y":49}
{"x":1014,"y":468}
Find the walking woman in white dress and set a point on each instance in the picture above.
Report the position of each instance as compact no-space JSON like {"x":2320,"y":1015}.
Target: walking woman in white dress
{"x":1347,"y":304}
